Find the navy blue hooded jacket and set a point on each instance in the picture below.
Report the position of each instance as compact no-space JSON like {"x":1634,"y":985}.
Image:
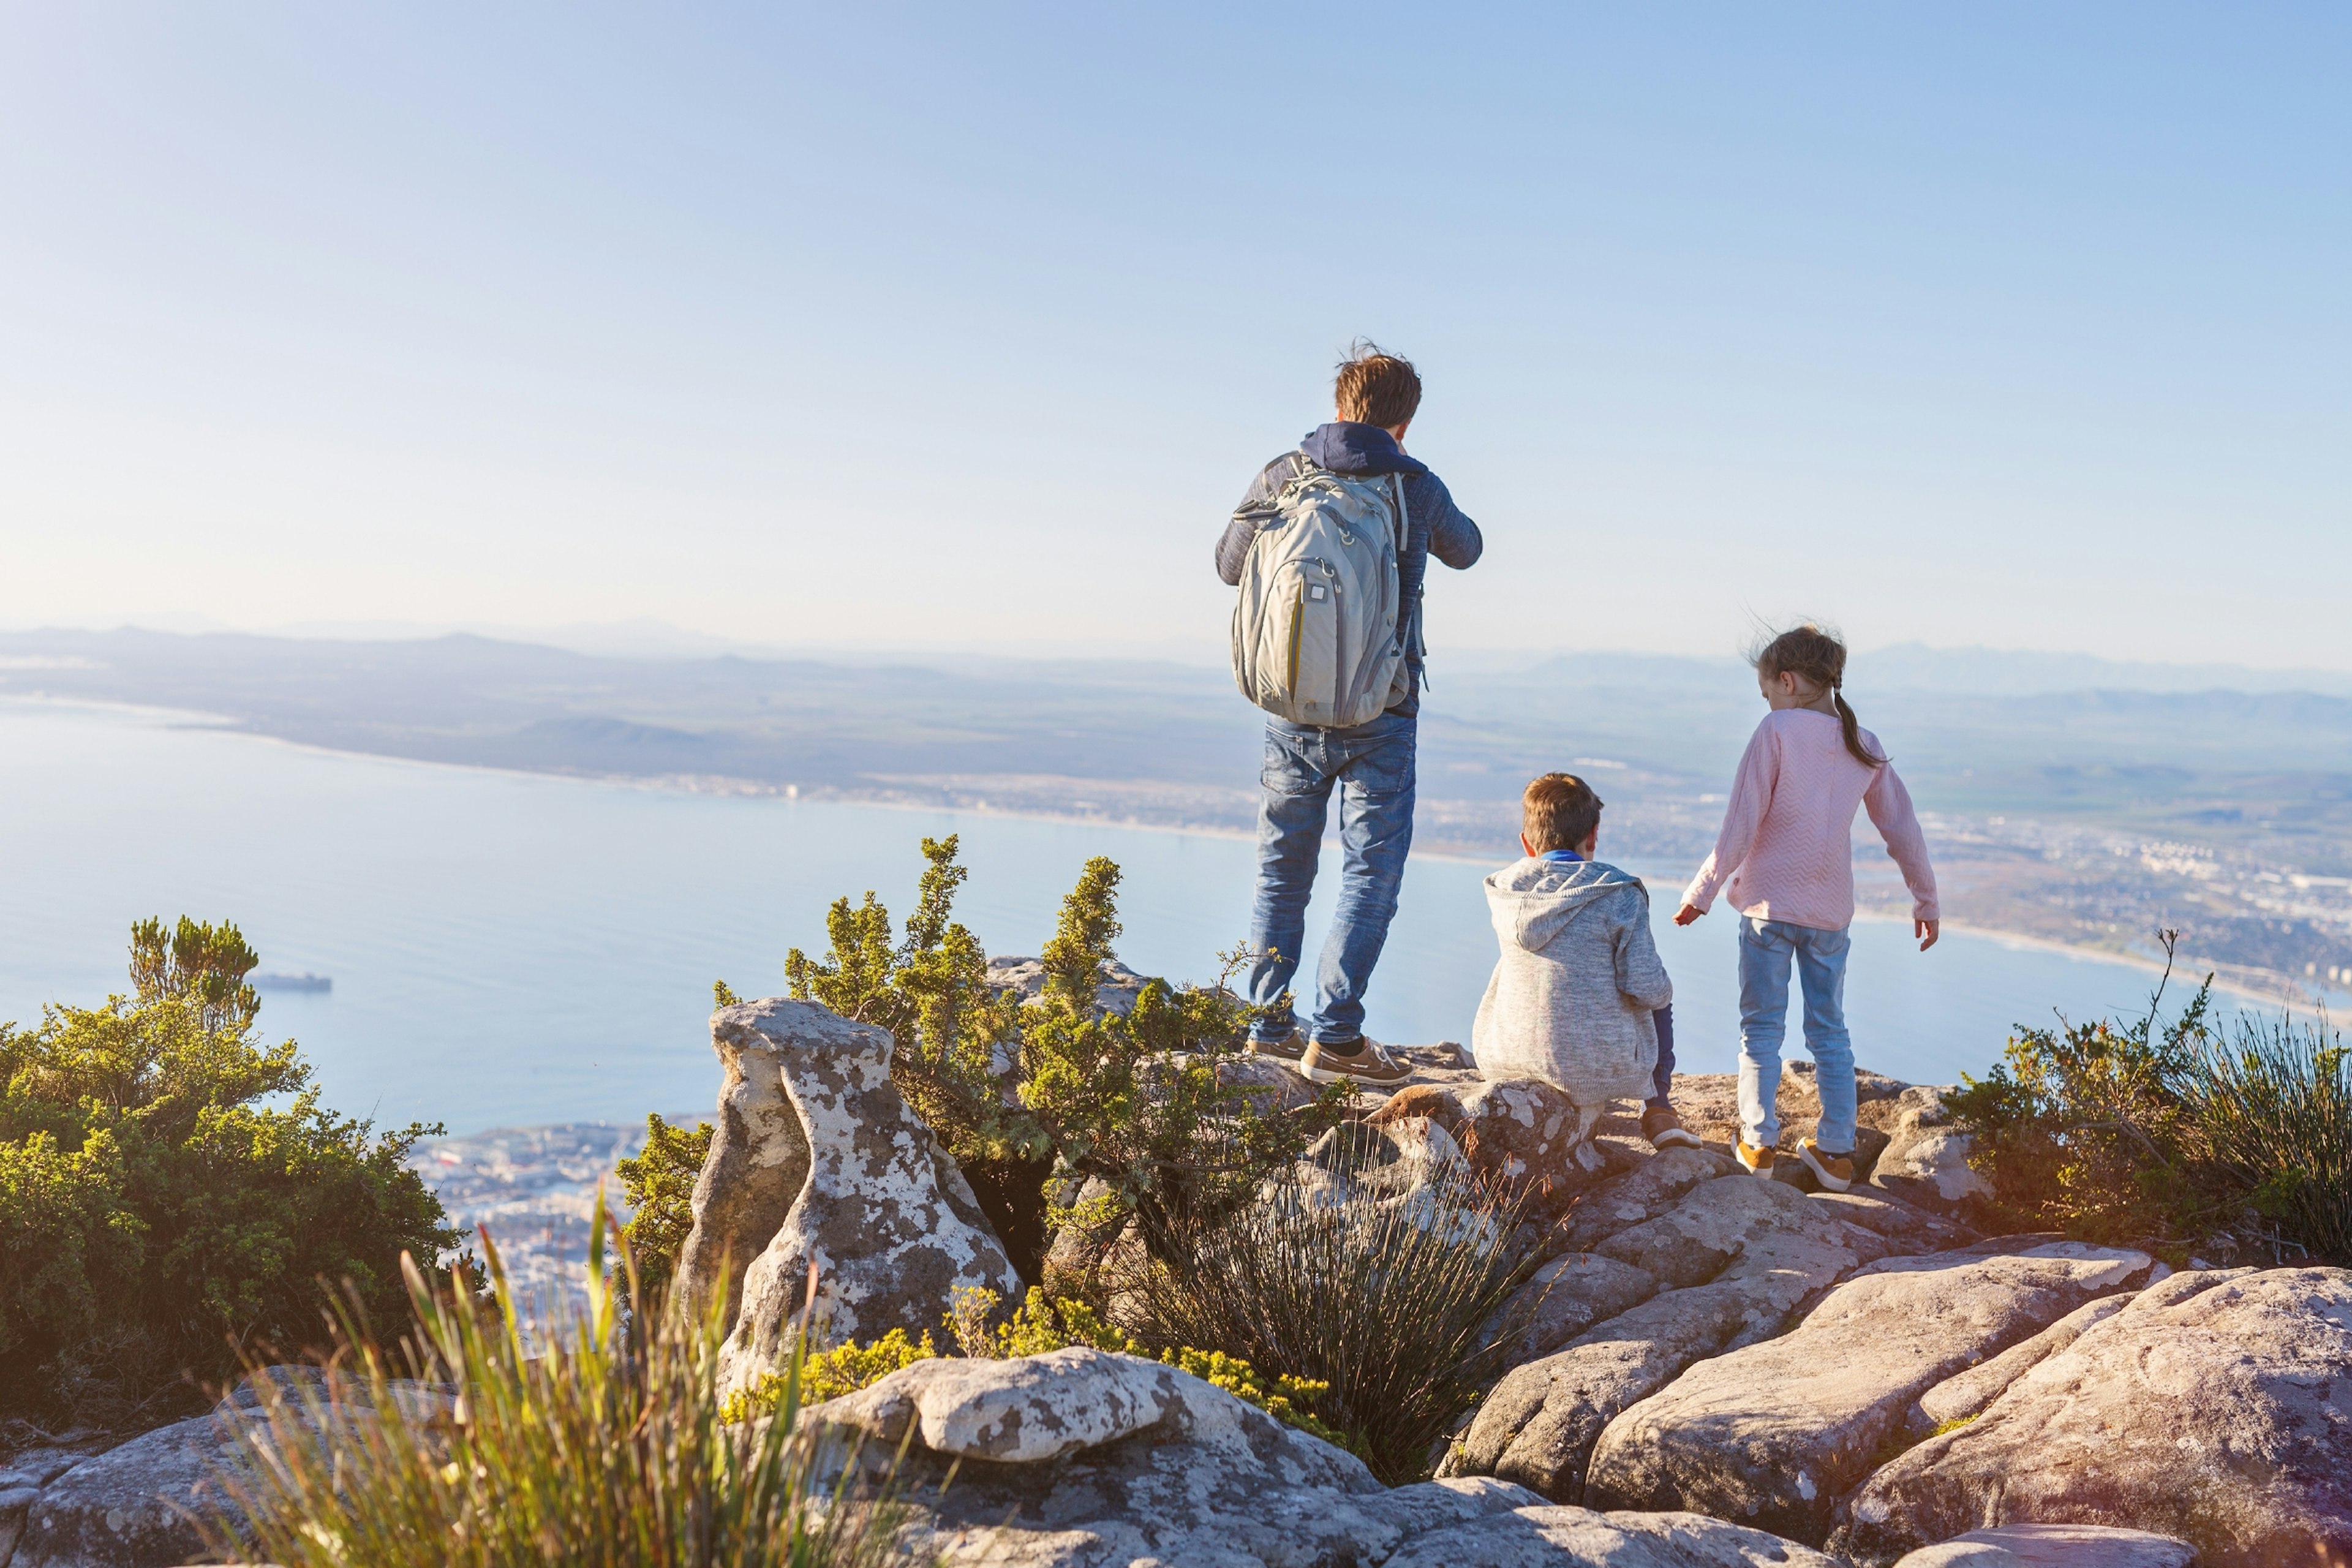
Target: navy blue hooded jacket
{"x":1434,"y":524}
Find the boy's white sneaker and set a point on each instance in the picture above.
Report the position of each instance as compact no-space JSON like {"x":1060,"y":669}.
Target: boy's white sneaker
{"x":1835,"y":1172}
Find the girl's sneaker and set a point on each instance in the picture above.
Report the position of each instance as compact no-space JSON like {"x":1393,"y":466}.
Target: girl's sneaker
{"x":1835,"y":1172}
{"x":1757,"y":1161}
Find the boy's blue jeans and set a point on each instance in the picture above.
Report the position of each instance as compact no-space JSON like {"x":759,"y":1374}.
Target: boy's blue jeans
{"x":1766,"y":948}
{"x":1372,"y":765}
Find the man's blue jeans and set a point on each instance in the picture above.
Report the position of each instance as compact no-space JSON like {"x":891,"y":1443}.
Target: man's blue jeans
{"x":1372,"y":765}
{"x":1766,"y":948}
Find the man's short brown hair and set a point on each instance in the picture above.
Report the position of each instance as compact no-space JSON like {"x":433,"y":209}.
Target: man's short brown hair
{"x":1374,"y":388}
{"x":1560,"y":811}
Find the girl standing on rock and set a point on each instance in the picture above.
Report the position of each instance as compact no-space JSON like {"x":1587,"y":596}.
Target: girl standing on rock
{"x":1787,"y":852}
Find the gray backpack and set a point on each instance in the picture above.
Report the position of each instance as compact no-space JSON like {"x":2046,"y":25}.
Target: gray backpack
{"x":1318,"y":636}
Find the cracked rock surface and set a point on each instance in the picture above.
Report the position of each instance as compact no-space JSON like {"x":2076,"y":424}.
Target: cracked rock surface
{"x":883,"y":1216}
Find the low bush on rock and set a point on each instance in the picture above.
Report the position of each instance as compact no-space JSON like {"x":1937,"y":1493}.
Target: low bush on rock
{"x":172,"y":1189}
{"x":610,"y":1449}
{"x":1373,"y":1284}
{"x":1038,"y":1326}
{"x":1136,"y":1101}
{"x":658,"y":1182}
{"x":2179,"y":1134}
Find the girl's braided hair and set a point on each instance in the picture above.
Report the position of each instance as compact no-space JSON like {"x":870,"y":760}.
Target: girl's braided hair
{"x":1810,"y":653}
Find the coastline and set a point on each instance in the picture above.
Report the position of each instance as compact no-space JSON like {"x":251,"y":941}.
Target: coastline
{"x":2310,"y":999}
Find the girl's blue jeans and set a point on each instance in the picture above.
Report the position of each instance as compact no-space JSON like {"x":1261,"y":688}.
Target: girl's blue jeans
{"x":1766,"y":950}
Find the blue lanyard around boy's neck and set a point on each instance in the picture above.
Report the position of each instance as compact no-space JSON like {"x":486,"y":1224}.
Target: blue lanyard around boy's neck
{"x":1560,"y":855}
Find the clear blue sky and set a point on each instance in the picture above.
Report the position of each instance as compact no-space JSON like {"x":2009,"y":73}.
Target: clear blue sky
{"x":2028,"y":326}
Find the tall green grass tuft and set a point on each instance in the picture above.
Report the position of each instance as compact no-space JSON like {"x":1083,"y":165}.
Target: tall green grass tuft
{"x":1378,"y":1289}
{"x":608,"y":1450}
{"x":2274,"y":1106}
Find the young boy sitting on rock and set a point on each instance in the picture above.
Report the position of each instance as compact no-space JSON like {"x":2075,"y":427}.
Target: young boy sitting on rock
{"x":1578,"y":998}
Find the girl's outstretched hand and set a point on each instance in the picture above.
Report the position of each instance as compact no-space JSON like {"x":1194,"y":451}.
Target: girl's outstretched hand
{"x":1687,"y":913}
{"x":1925,"y":931}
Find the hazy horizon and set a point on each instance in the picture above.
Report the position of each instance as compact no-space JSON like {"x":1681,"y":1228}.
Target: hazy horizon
{"x":646,"y":638}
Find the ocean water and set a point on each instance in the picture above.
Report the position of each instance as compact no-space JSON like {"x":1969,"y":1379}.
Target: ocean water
{"x":511,"y":949}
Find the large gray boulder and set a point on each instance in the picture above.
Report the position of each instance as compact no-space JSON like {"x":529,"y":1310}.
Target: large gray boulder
{"x":1524,"y":1138}
{"x":884,"y":1218}
{"x":1563,"y":1299}
{"x":139,"y":1505}
{"x":1559,"y":1537}
{"x":758,"y":1163}
{"x":1925,"y":1161}
{"x":1643,"y":1192}
{"x":1776,"y":1433}
{"x":1963,"y":1396}
{"x":1084,"y":1459}
{"x":2054,"y":1546}
{"x":1538,"y":1426}
{"x":2216,"y":1407}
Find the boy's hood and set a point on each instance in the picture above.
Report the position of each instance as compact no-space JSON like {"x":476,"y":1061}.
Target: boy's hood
{"x":1346,"y":447}
{"x":1534,"y":899}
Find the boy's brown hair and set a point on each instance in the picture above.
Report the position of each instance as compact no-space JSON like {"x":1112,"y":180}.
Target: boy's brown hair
{"x":1558,"y":811}
{"x":1376,"y":388}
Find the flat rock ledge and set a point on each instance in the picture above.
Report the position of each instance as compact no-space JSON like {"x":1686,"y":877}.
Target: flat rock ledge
{"x":1082,"y":1458}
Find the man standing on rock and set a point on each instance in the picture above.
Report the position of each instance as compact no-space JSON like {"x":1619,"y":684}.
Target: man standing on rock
{"x":1328,"y":548}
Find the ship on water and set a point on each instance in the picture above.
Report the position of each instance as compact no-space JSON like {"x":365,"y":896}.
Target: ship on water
{"x":292,"y":983}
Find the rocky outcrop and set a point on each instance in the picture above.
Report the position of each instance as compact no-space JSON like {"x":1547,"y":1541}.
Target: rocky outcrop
{"x":139,"y":1505}
{"x":758,"y":1163}
{"x":2054,"y":1546}
{"x":2215,"y":1406}
{"x":1963,"y":1396}
{"x":1743,"y":1254}
{"x":884,"y":1218}
{"x":1776,"y":1433}
{"x":1025,"y":978}
{"x":1527,"y":1140}
{"x":1081,"y":1457}
{"x":1926,"y":1160}
{"x":1566,"y":1297}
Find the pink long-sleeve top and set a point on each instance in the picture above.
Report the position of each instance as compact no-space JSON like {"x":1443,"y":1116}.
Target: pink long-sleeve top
{"x":1787,"y":845}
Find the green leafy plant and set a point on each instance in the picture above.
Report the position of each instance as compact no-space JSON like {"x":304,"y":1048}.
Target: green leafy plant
{"x":1139,"y":1101}
{"x":171,"y":1188}
{"x":930,"y":991}
{"x":1142,"y":1103}
{"x":2086,"y":1127}
{"x":658,"y":1182}
{"x":1378,"y":1293}
{"x":612,"y":1449}
{"x":2177,"y":1135}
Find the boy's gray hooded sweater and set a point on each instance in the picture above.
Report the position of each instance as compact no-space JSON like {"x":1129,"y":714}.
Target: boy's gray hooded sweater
{"x":1578,"y":976}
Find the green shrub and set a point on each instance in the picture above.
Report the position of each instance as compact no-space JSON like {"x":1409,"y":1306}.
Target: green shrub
{"x":171,"y":1190}
{"x":2178,"y":1135}
{"x":611,"y":1450}
{"x":659,"y":1185}
{"x":2086,"y":1129}
{"x":1036,"y":1327}
{"x":1137,"y":1101}
{"x":930,"y":991}
{"x":1380,"y":1302}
